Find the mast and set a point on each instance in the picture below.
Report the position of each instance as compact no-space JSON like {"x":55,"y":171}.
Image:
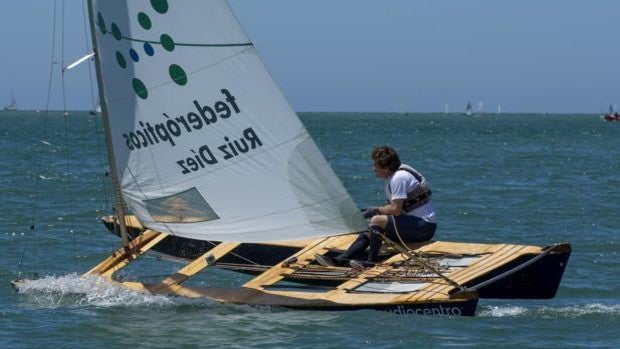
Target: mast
{"x":118,"y":197}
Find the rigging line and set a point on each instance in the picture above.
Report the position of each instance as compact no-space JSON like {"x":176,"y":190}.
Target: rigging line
{"x":86,"y":46}
{"x":66,"y":131}
{"x":39,"y":163}
{"x":97,"y":127}
{"x":417,"y":257}
{"x":511,"y":271}
{"x":236,"y":255}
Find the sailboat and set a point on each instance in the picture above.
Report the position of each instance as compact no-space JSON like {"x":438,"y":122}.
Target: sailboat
{"x":612,"y":114}
{"x":468,"y":110}
{"x":13,"y":105}
{"x":214,"y":165}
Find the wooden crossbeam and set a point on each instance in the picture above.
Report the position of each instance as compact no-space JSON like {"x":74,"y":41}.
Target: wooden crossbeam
{"x":257,"y":291}
{"x":125,"y":255}
{"x":375,"y":271}
{"x":304,"y":257}
{"x":194,"y":267}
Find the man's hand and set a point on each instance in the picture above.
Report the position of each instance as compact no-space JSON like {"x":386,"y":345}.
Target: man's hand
{"x":371,"y":212}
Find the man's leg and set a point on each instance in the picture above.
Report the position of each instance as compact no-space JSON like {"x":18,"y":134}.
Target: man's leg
{"x":377,"y":226}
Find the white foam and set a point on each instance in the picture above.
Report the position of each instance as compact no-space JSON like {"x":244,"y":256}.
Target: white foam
{"x":573,"y":311}
{"x":72,"y":289}
{"x":502,"y":311}
{"x":587,"y":309}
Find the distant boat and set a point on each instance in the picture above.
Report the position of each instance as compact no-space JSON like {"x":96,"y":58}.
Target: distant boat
{"x":13,"y":105}
{"x":468,"y":109}
{"x":446,"y":109}
{"x":499,"y":109}
{"x":612,"y":115}
{"x":480,"y":108}
{"x":96,"y":111}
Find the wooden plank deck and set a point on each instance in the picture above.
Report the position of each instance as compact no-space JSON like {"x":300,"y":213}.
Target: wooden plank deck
{"x":261,"y":290}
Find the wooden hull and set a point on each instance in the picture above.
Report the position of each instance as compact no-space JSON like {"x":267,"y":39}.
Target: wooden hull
{"x":525,"y":272}
{"x":427,"y":278}
{"x":540,"y":280}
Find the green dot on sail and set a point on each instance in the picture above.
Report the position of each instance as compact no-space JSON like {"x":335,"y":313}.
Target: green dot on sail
{"x":160,"y":6}
{"x":178,"y":74}
{"x":167,"y":42}
{"x":120,"y":59}
{"x":139,"y":88}
{"x":144,"y":20}
{"x":101,"y":23}
{"x":116,"y":32}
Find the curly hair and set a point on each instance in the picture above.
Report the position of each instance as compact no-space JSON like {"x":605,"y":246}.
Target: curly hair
{"x":386,"y":157}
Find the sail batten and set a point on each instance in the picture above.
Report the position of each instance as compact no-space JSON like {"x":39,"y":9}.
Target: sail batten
{"x":206,"y":146}
{"x":236,"y":44}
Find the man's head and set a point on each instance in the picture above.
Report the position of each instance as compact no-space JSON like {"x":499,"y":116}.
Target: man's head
{"x":385,"y":160}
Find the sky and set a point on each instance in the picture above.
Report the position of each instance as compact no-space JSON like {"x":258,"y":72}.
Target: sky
{"x":554,"y":56}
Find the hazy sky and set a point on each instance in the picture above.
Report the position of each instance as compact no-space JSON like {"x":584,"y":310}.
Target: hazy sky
{"x":372,"y":55}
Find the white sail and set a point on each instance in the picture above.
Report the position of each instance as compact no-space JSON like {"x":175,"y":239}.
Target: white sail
{"x":206,"y":146}
{"x":13,"y":105}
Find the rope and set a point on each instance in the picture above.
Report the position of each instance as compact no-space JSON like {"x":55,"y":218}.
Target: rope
{"x":33,"y":224}
{"x":69,"y":198}
{"x":237,"y":255}
{"x":415,"y":256}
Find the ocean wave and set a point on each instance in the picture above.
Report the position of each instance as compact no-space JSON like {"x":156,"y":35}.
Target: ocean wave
{"x":574,"y":311}
{"x":75,"y":290}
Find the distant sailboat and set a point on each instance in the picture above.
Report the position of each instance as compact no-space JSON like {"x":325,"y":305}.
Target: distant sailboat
{"x":446,"y":109}
{"x":480,"y":108}
{"x":499,"y":109}
{"x":13,"y":105}
{"x":468,"y":109}
{"x":612,"y":115}
{"x":96,"y":111}
{"x":403,"y":110}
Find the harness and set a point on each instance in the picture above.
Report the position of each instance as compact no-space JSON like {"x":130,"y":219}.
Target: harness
{"x":420,"y":196}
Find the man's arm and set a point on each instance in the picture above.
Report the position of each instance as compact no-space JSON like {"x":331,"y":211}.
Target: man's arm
{"x":395,"y":208}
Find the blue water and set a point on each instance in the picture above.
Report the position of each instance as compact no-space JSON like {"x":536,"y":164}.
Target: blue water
{"x":514,"y":178}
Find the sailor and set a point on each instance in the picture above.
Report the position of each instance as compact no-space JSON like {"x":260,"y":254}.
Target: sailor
{"x":408,"y":216}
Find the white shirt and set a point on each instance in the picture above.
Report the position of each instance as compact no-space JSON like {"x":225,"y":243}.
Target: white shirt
{"x":401,"y":183}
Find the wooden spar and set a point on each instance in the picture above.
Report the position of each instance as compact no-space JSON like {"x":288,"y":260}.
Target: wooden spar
{"x":118,"y":196}
{"x":194,"y":267}
{"x":126,"y":254}
{"x":304,"y":257}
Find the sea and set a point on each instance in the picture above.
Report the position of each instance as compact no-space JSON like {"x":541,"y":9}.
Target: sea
{"x":533,"y":179}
